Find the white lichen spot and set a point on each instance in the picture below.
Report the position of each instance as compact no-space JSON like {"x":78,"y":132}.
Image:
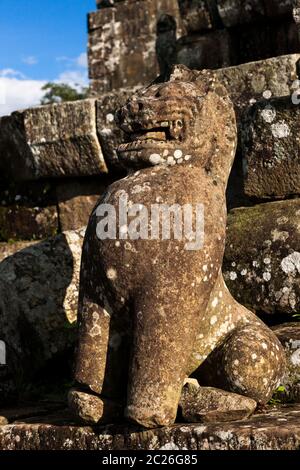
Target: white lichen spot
{"x":178,"y":154}
{"x":215,"y":302}
{"x":244,"y":272}
{"x":267,"y":94}
{"x":253,"y":356}
{"x":291,"y":263}
{"x":268,"y":114}
{"x":204,"y":267}
{"x":280,"y":130}
{"x":267,"y":260}
{"x":267,"y":276}
{"x":155,"y":158}
{"x":264,"y":345}
{"x":111,"y":274}
{"x":110,"y":117}
{"x":232,"y":276}
{"x":213,"y":319}
{"x":169,"y":446}
{"x":295,"y":358}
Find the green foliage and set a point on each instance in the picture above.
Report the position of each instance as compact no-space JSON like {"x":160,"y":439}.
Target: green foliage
{"x":297,"y":316}
{"x":279,"y":396}
{"x":59,"y":92}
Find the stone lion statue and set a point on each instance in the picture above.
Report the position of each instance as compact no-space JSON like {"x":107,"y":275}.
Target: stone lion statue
{"x":154,"y":311}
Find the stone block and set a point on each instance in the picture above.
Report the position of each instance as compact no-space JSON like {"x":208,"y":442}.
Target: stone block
{"x":270,"y":38}
{"x":196,"y":15}
{"x":262,"y":260}
{"x":76,"y":200}
{"x":38,"y":303}
{"x":289,"y":336}
{"x":212,"y":50}
{"x":8,"y":249}
{"x":271,"y":148}
{"x":246,"y":83}
{"x":28,"y":223}
{"x":233,"y":12}
{"x":209,"y":404}
{"x":51,"y":141}
{"x":122,"y":42}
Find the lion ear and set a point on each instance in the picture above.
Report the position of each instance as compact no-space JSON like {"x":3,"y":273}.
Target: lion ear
{"x":182,"y":73}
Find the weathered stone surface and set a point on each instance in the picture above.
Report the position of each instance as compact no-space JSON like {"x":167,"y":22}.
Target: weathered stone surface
{"x":38,"y":303}
{"x":201,"y":15}
{"x":278,"y":429}
{"x":296,"y":15}
{"x":110,"y":135}
{"x":122,"y":42}
{"x":212,"y":50}
{"x":76,"y":200}
{"x":289,"y":336}
{"x":8,"y":249}
{"x":262,"y":260}
{"x":180,"y":131}
{"x":271,"y":149}
{"x":51,"y":141}
{"x":196,"y":15}
{"x":263,"y":40}
{"x":246,"y":83}
{"x":233,"y":12}
{"x":208,"y":404}
{"x":39,"y":193}
{"x":28,"y":223}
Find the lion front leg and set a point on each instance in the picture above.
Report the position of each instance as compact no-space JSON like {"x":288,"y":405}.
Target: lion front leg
{"x":91,"y":356}
{"x":163,"y":337}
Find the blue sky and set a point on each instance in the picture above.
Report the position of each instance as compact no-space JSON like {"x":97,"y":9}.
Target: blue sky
{"x":41,"y":40}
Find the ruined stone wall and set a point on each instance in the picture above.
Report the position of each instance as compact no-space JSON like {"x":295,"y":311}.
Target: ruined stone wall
{"x":209,"y":34}
{"x":123,"y":39}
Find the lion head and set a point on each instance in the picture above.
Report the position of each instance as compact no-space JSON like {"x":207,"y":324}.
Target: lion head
{"x":188,"y":120}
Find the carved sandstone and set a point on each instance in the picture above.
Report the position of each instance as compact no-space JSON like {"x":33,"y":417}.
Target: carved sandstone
{"x":152,"y":313}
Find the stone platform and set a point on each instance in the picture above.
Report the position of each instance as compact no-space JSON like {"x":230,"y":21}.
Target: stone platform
{"x":50,"y":427}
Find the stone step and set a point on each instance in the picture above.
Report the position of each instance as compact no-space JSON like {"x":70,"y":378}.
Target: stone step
{"x":276,"y":429}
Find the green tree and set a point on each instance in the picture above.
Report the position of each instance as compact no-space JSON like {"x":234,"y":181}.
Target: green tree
{"x":59,"y":92}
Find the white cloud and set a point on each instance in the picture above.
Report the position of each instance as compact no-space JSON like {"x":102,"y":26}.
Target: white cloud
{"x":11,"y":73}
{"x":16,"y":93}
{"x":75,"y":78}
{"x":30,"y":60}
{"x":80,"y":61}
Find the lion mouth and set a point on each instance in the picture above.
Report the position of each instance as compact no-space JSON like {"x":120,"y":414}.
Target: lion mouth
{"x":160,"y":133}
